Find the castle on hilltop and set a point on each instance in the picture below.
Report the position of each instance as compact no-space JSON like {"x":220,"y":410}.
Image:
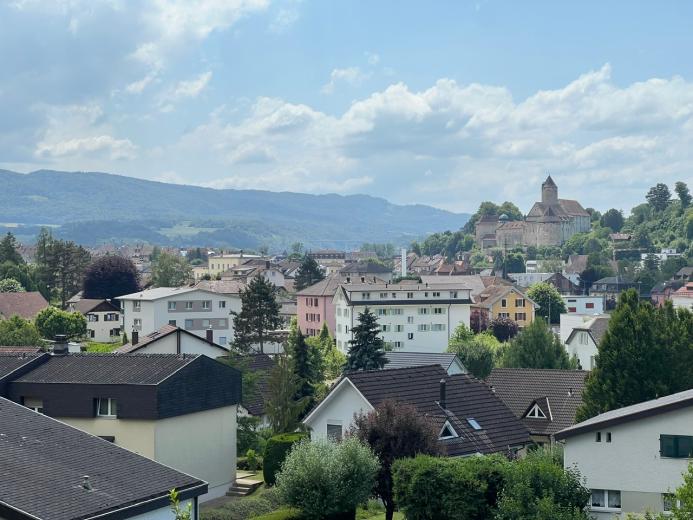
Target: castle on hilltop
{"x":550,"y":222}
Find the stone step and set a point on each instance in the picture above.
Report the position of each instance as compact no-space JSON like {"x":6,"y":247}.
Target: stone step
{"x":247,"y":483}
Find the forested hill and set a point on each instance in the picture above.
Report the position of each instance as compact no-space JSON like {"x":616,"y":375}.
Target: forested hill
{"x":129,"y":208}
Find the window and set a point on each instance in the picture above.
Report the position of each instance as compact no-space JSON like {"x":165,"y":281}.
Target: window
{"x":447,"y":432}
{"x":137,"y":324}
{"x":606,"y":498}
{"x":410,"y":295}
{"x":309,"y":301}
{"x":92,"y":334}
{"x":503,"y":314}
{"x":315,"y":302}
{"x":106,"y":407}
{"x":394,"y":295}
{"x":136,"y":306}
{"x":386,"y":328}
{"x":410,"y":335}
{"x":207,"y":304}
{"x":92,"y":317}
{"x":436,"y":294}
{"x":188,"y":324}
{"x":520,"y":316}
{"x":504,"y":302}
{"x":453,"y":294}
{"x":473,"y":423}
{"x":172,"y":306}
{"x":383,"y":295}
{"x":438,"y":326}
{"x":423,"y":310}
{"x":399,"y":328}
{"x":536,"y":413}
{"x":608,"y":436}
{"x":668,"y":501}
{"x":339,"y":311}
{"x":365,"y":296}
{"x":519,"y":302}
{"x":222,"y":304}
{"x":598,"y":437}
{"x":676,"y":446}
{"x":222,"y":340}
{"x":334,"y":431}
{"x":188,"y":305}
{"x":382,"y":312}
{"x":589,"y":305}
{"x":111,"y":316}
{"x":423,"y":327}
{"x":425,"y":295}
{"x":172,"y":322}
{"x":572,"y":309}
{"x":410,"y":319}
{"x":397,"y":344}
{"x":439,"y":310}
{"x":396,"y":312}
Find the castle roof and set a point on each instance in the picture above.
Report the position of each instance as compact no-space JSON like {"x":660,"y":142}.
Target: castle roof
{"x":549,"y":182}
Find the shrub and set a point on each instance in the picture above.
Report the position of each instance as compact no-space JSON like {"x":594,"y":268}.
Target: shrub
{"x":275,"y":452}
{"x":251,"y":457}
{"x":431,"y":488}
{"x":328,"y":479}
{"x":263,"y":502}
{"x":286,"y":513}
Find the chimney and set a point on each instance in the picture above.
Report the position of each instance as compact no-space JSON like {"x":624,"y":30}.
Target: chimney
{"x":86,"y":484}
{"x":404,"y":262}
{"x":442,"y":402}
{"x":135,"y":337}
{"x":60,"y":347}
{"x":210,"y":335}
{"x":267,"y":264}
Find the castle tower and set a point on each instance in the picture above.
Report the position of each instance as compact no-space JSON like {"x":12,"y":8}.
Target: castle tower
{"x":549,"y":192}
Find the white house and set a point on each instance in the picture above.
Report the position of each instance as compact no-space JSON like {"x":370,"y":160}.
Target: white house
{"x":584,"y":338}
{"x":683,"y":297}
{"x":103,"y":318}
{"x":469,"y":416}
{"x":192,"y":308}
{"x":412,"y":317}
{"x":172,"y":340}
{"x":633,"y":458}
{"x":584,"y":304}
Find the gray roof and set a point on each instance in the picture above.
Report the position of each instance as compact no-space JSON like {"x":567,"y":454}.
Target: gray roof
{"x":43,"y":462}
{"x":418,"y":359}
{"x":106,"y":369}
{"x":467,"y":398}
{"x":364,"y":267}
{"x":557,"y":392}
{"x":164,"y":331}
{"x":631,"y":413}
{"x":597,"y":328}
{"x":157,"y":293}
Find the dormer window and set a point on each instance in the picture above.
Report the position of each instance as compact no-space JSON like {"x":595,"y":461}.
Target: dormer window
{"x":447,"y":432}
{"x":106,"y":407}
{"x":536,"y":413}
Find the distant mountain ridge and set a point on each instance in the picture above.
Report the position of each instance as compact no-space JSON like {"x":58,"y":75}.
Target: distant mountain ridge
{"x":100,"y":207}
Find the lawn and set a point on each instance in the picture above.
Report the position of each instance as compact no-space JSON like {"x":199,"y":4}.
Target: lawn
{"x":95,"y":346}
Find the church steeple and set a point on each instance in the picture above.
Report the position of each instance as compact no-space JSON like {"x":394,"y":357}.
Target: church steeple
{"x":549,"y":192}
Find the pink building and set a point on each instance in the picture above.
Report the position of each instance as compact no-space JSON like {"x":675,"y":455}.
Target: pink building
{"x":314,"y":304}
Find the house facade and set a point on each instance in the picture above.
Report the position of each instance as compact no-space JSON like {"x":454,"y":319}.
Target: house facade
{"x":633,"y":458}
{"x":103,"y":319}
{"x":178,"y":410}
{"x":584,"y":304}
{"x":412,"y":317}
{"x":172,"y":340}
{"x":584,"y":338}
{"x":503,"y":301}
{"x":683,"y":297}
{"x":610,"y":287}
{"x":194,"y":309}
{"x":217,"y":264}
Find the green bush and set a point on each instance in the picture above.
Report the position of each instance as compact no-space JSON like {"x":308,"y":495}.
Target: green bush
{"x":252,"y":459}
{"x":262,"y":502}
{"x":433,"y":488}
{"x":283,"y":514}
{"x":275,"y":452}
{"x":328,"y":479}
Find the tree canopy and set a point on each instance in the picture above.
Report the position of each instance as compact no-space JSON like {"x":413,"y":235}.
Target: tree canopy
{"x":18,"y":332}
{"x":551,"y":305}
{"x":169,"y":270}
{"x":308,"y":273}
{"x":110,"y":276}
{"x":10,"y":285}
{"x":536,"y":347}
{"x":259,"y":315}
{"x":52,"y":321}
{"x":367,"y":349}
{"x":9,"y":250}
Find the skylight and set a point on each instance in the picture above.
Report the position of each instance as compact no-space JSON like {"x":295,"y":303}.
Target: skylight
{"x":472,"y":422}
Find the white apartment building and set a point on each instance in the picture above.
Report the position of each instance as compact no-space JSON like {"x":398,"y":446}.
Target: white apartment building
{"x":633,"y":458}
{"x":584,"y":304}
{"x":193,"y":309}
{"x":412,"y":317}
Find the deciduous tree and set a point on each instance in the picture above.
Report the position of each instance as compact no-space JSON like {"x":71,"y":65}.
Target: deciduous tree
{"x":503,"y":329}
{"x":170,"y":270}
{"x":110,"y":276}
{"x":683,"y":193}
{"x":394,"y":431}
{"x":52,"y":321}
{"x":658,"y":197}
{"x":19,"y":332}
{"x":612,"y":219}
{"x":10,"y":285}
{"x":536,"y":347}
{"x":551,"y":305}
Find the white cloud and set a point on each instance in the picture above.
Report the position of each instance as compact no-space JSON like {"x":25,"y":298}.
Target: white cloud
{"x":115,"y":148}
{"x":190,"y":88}
{"x":351,"y":75}
{"x":372,"y":58}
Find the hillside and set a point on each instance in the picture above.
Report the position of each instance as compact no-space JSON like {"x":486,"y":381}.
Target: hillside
{"x":97,"y":207}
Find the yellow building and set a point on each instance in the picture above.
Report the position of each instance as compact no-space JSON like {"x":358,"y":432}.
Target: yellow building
{"x":218,"y":264}
{"x":503,"y":301}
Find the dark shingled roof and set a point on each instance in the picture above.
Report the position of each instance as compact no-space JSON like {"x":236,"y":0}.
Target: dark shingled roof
{"x":43,"y":461}
{"x":24,"y":304}
{"x":418,"y":359}
{"x":467,"y":398}
{"x":630,"y":413}
{"x":107,"y":369}
{"x":162,"y":333}
{"x":260,"y":364}
{"x":557,"y":392}
{"x":86,"y":305}
{"x":364,"y":267}
{"x":11,"y":361}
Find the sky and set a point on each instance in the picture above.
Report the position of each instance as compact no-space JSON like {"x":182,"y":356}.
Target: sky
{"x":440,"y":103}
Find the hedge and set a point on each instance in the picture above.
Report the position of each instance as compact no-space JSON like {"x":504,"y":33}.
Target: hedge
{"x":434,"y":488}
{"x":282,"y":514}
{"x":276,"y":451}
